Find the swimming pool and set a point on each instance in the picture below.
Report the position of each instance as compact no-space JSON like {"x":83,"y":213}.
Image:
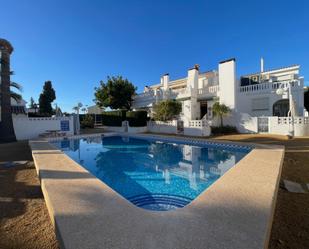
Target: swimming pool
{"x":151,"y":173}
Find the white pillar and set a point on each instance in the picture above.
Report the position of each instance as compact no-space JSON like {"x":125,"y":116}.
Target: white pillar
{"x":192,"y":83}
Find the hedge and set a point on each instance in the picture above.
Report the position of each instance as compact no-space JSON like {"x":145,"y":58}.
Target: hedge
{"x":113,"y":118}
{"x":38,"y":115}
{"x":227,"y":129}
{"x":137,"y":118}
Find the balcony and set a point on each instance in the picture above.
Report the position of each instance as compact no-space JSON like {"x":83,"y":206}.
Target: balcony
{"x":147,"y":99}
{"x":208,"y":92}
{"x":269,"y":86}
{"x":182,"y":93}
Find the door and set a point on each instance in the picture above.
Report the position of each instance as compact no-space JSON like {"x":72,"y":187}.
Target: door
{"x":263,"y":124}
{"x":204,"y":108}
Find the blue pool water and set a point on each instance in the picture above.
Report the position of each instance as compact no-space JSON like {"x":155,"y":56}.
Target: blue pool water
{"x":155,"y":175}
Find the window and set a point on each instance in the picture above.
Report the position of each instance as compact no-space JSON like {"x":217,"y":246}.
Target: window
{"x":260,"y":104}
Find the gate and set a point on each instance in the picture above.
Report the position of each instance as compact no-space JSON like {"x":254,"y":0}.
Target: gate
{"x":180,"y":127}
{"x":263,"y":124}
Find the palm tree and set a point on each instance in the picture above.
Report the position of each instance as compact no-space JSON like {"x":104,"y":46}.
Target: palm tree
{"x":7,"y":133}
{"x":77,"y":108}
{"x":220,"y":110}
{"x":84,"y":109}
{"x":14,"y":95}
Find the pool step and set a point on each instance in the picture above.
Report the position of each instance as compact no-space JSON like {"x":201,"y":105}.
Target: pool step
{"x":159,"y":202}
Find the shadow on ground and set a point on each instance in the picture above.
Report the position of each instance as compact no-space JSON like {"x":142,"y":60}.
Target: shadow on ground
{"x":24,"y":220}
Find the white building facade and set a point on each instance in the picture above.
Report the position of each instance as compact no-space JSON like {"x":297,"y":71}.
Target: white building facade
{"x":249,"y":97}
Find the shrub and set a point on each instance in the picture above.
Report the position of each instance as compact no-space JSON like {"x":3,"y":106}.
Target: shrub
{"x":113,"y":118}
{"x":38,"y":115}
{"x":167,"y":110}
{"x":220,"y":110}
{"x":222,"y":130}
{"x":87,"y":122}
{"x":137,"y":118}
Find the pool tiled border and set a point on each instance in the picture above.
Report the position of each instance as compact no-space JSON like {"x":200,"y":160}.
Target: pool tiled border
{"x":235,"y":212}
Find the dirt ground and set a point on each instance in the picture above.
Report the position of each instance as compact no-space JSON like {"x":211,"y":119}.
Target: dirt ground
{"x":291,"y":221}
{"x":24,"y":220}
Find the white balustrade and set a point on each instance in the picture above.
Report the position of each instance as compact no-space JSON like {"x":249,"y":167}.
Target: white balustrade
{"x":150,"y":97}
{"x":211,"y":90}
{"x":198,"y":123}
{"x":296,"y":120}
{"x":269,"y":86}
{"x":183,"y":93}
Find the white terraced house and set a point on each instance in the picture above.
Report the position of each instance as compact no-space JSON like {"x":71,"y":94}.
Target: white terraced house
{"x":273,"y":93}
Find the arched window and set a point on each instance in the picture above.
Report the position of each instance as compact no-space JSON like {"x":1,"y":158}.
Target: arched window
{"x":281,"y":108}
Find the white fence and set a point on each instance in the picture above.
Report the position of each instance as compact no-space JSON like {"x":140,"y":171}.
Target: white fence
{"x":30,"y":128}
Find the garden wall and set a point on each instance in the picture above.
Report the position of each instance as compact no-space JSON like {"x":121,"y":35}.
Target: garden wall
{"x":169,"y":127}
{"x":191,"y":128}
{"x":31,"y":128}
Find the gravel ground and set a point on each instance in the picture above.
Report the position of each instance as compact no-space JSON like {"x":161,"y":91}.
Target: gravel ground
{"x":24,"y":220}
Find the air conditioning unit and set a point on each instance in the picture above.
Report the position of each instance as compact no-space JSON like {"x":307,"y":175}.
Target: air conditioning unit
{"x":273,"y":78}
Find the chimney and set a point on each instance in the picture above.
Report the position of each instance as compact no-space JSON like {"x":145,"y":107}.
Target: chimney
{"x":262,"y":65}
{"x":165,"y":79}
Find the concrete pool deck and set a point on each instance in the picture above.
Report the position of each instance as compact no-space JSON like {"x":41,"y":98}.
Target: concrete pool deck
{"x":235,"y":212}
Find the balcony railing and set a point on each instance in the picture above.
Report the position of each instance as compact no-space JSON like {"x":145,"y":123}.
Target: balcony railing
{"x":147,"y":98}
{"x":211,"y":90}
{"x":182,"y":93}
{"x":269,"y":86}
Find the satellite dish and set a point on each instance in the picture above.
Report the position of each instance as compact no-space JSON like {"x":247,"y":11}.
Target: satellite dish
{"x":280,"y":91}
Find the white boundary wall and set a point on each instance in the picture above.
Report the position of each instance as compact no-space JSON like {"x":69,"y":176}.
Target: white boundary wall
{"x":137,"y":129}
{"x":169,"y":127}
{"x":282,"y":125}
{"x":31,"y":128}
{"x":243,"y":122}
{"x":122,"y":129}
{"x":276,"y":125}
{"x":191,"y":128}
{"x":114,"y":128}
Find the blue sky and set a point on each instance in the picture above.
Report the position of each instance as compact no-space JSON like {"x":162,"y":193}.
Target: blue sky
{"x":75,"y":44}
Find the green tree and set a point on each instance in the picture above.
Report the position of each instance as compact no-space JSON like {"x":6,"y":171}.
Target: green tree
{"x":167,"y":110}
{"x":32,"y":103}
{"x":46,"y":98}
{"x":220,"y":110}
{"x":116,"y":93}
